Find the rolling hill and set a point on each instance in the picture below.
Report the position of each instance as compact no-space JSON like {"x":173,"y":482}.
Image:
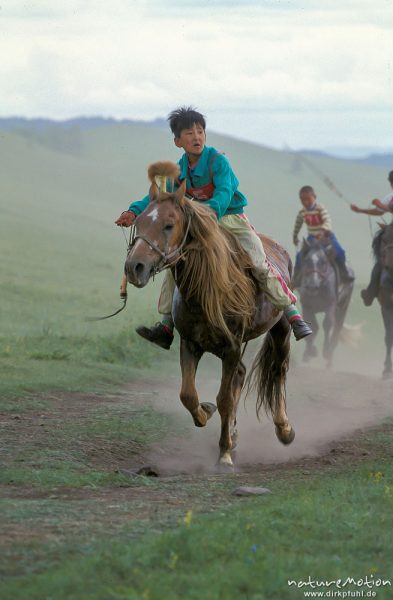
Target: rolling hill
{"x":68,"y":184}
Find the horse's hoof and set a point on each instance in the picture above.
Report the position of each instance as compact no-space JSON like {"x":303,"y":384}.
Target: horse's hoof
{"x":203,"y":414}
{"x":286,"y":436}
{"x":387,"y":375}
{"x":225,"y":468}
{"x":209,"y":408}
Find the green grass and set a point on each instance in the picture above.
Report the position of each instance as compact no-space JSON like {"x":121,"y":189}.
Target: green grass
{"x":338,"y":527}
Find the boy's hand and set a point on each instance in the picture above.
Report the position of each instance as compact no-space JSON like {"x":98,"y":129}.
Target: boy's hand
{"x":295,"y":241}
{"x":355,"y":208}
{"x":376,"y":202}
{"x":126,"y":219}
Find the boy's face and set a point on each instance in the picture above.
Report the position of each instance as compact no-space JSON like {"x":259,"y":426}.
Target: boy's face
{"x":307,"y":199}
{"x":192,"y":140}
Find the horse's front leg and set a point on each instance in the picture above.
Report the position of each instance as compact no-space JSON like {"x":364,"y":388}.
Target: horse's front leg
{"x":328,"y":325}
{"x":226,"y":405}
{"x":190,"y":355}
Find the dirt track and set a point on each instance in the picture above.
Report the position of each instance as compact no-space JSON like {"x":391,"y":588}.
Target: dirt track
{"x":323,"y":406}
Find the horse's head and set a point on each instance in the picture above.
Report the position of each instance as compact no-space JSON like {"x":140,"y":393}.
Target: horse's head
{"x":316,"y":265}
{"x":159,"y":235}
{"x":386,"y":247}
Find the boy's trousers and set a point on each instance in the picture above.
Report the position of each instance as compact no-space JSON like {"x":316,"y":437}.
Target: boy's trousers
{"x":271,"y":281}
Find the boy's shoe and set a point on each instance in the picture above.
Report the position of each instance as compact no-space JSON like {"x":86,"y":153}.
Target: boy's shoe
{"x":367,"y":297}
{"x":301,"y":329}
{"x":159,"y":334}
{"x":346,"y":273}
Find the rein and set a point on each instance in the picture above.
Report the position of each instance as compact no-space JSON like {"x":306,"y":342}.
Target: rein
{"x":123,"y":291}
{"x":166,"y":258}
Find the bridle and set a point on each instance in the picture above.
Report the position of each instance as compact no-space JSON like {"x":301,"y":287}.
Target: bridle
{"x":166,"y":257}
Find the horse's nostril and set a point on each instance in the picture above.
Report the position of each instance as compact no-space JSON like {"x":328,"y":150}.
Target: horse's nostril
{"x":139,"y":268}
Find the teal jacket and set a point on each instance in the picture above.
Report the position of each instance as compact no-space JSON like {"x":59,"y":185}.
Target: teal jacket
{"x":226,"y":199}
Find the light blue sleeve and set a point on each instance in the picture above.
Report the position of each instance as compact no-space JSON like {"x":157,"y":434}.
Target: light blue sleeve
{"x":225,"y":184}
{"x":139,"y":206}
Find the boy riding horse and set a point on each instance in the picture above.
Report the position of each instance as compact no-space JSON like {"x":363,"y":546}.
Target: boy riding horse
{"x":381,"y":207}
{"x":211,"y":180}
{"x":319,"y":226}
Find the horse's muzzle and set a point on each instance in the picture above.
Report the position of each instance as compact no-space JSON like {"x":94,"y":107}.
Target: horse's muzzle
{"x":138,"y":272}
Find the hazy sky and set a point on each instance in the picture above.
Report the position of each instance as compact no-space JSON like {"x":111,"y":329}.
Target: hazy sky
{"x":309,"y":73}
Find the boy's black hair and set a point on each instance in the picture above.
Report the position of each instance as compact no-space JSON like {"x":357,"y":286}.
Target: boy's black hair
{"x":390,"y":177}
{"x":305,"y":189}
{"x":184,"y":118}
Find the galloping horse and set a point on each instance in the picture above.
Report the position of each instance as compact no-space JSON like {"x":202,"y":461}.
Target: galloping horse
{"x":217,"y":306}
{"x":321,"y":292}
{"x":383,"y":250}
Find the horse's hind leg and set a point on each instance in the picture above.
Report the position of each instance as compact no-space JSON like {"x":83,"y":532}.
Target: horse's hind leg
{"x":190,"y":355}
{"x":388,"y":322}
{"x":269,"y":373}
{"x":281,"y":335}
{"x":237,"y":386}
{"x":310,"y":349}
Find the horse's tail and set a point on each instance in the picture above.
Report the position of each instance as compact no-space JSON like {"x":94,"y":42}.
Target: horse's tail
{"x":269,"y":372}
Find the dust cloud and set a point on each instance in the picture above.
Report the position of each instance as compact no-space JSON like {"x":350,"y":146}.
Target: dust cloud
{"x":322,"y":405}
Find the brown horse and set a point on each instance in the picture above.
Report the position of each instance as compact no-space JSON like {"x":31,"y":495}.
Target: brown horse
{"x":217,"y":306}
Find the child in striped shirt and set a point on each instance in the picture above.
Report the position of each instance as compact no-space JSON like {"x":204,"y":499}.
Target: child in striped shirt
{"x":381,"y":207}
{"x":319,"y":226}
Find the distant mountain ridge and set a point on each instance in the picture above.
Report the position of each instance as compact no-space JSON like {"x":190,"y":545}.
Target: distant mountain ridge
{"x":383,"y":159}
{"x":15,"y":123}
{"x":26,"y":125}
{"x":80,"y":174}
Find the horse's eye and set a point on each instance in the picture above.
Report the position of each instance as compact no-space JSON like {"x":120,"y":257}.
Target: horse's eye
{"x":168,"y":227}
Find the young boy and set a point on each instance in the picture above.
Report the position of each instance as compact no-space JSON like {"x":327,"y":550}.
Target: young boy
{"x":210,"y":179}
{"x":381,"y":207}
{"x":319,"y":226}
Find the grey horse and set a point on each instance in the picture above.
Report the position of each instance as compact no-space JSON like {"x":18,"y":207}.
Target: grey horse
{"x":321,"y":291}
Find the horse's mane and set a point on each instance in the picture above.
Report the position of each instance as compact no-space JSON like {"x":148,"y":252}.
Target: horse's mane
{"x":377,"y":240}
{"x":214,"y":271}
{"x":376,"y":244}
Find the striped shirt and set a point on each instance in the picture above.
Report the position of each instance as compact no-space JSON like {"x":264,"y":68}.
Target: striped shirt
{"x":316,"y":218}
{"x":388,"y":202}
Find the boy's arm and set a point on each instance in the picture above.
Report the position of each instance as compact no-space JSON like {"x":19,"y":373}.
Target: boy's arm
{"x":224,"y":190}
{"x":298,"y":225}
{"x":127,"y":217}
{"x":373,"y":212}
{"x":381,"y":205}
{"x":139,"y":206}
{"x":326,"y":219}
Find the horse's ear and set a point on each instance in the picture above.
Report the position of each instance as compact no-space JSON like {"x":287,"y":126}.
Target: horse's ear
{"x":382,"y":225}
{"x":153,"y":192}
{"x":180,"y":193}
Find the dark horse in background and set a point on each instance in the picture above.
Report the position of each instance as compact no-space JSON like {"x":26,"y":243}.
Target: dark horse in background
{"x":321,"y":291}
{"x":383,"y":252}
{"x":217,"y":306}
